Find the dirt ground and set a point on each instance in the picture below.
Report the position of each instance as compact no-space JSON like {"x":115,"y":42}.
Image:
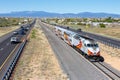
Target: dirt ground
{"x":5,"y":30}
{"x":113,"y":32}
{"x":38,"y":61}
{"x":111,"y":55}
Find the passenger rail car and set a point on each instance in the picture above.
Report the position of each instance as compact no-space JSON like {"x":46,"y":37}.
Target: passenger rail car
{"x":86,"y":46}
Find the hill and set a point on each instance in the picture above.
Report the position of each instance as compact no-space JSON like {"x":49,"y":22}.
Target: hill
{"x":48,"y":14}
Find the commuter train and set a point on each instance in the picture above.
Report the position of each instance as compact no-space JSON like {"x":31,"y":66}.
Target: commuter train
{"x":86,"y":46}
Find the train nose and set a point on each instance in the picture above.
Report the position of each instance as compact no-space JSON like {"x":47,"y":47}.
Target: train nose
{"x":96,"y":53}
{"x":90,"y":53}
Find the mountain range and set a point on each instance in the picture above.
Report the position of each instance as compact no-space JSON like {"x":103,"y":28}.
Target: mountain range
{"x":42,"y":14}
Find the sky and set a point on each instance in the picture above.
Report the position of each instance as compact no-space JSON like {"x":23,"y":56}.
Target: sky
{"x":61,"y":6}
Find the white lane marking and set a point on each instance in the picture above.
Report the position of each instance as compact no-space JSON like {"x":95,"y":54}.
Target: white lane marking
{"x":1,"y":49}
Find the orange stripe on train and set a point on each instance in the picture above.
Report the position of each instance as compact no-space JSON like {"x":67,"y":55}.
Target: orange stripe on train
{"x":79,"y":45}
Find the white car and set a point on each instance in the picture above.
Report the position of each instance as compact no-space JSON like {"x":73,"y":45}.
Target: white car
{"x":14,"y":40}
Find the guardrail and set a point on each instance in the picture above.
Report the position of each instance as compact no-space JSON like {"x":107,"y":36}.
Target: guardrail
{"x":9,"y":66}
{"x":107,"y":41}
{"x":7,"y":73}
{"x":109,"y":44}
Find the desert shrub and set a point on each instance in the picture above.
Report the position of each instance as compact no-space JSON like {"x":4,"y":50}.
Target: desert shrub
{"x":102,"y":25}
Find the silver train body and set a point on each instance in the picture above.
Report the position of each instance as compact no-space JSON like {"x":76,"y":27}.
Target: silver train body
{"x":88,"y":47}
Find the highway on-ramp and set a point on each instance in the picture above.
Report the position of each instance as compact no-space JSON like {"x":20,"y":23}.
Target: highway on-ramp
{"x":73,"y":64}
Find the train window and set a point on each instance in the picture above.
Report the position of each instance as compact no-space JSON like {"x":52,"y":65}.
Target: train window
{"x":96,"y":45}
{"x":88,"y":45}
{"x":92,"y":45}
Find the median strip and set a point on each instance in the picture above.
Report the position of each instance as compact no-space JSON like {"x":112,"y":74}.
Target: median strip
{"x":38,"y":61}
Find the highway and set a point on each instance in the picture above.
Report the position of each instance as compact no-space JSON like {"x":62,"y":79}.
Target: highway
{"x":6,"y":48}
{"x":73,"y":64}
{"x":6,"y":36}
{"x":9,"y":50}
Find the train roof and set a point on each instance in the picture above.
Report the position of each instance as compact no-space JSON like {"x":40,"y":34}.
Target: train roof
{"x":88,"y":38}
{"x":72,"y":32}
{"x":64,"y":29}
{"x":85,"y":37}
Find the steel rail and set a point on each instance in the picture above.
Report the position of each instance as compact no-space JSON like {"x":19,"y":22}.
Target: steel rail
{"x":107,"y":71}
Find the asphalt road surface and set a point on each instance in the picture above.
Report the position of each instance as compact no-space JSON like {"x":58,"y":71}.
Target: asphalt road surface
{"x":73,"y":64}
{"x":9,"y":50}
{"x":5,"y":44}
{"x":6,"y":47}
{"x":4,"y":37}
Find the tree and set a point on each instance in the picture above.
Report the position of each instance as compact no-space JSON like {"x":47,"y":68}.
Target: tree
{"x":102,"y":25}
{"x":56,"y":20}
{"x":109,"y":19}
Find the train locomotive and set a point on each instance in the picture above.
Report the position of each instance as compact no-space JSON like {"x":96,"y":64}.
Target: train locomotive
{"x":86,"y":46}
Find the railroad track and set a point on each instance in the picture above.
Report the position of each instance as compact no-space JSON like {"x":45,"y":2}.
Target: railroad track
{"x":111,"y":73}
{"x":107,"y":71}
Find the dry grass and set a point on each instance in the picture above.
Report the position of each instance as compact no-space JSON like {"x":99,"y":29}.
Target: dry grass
{"x":5,"y":30}
{"x":38,"y":61}
{"x":108,"y":31}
